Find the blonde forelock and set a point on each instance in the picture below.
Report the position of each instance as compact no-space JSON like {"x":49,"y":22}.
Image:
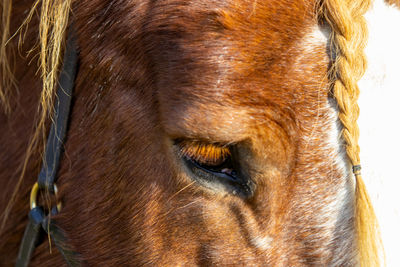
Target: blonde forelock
{"x":54,"y":16}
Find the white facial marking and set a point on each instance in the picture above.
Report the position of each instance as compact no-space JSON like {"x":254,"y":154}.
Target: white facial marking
{"x":261,"y":242}
{"x":317,"y":37}
{"x":379,"y":122}
{"x":338,"y":207}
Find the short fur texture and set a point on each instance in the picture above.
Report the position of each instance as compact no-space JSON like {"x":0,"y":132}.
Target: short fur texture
{"x":151,"y":72}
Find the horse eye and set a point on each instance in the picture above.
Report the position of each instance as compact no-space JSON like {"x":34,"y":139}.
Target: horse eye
{"x":210,"y":156}
{"x":214,"y":165}
{"x":220,"y":165}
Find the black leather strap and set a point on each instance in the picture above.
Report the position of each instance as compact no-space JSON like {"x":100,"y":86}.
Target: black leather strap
{"x":38,"y":223}
{"x":32,"y":236}
{"x":62,"y":103}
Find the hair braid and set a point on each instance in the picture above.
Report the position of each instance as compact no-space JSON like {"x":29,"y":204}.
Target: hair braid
{"x":348,"y":38}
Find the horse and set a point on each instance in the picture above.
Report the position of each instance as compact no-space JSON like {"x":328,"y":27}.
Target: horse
{"x":203,"y":133}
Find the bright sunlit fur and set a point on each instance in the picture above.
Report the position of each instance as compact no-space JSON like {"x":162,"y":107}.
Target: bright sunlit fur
{"x":348,"y":40}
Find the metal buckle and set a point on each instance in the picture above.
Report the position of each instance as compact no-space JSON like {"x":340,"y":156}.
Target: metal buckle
{"x":34,"y":196}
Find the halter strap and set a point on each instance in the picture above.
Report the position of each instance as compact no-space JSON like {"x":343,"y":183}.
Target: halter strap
{"x":56,"y":138}
{"x":39,"y":224}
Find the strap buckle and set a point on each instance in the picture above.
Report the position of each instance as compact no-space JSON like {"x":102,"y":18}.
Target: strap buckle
{"x":34,"y":196}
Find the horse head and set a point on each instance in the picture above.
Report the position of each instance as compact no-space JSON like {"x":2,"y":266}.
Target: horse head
{"x":205,"y":133}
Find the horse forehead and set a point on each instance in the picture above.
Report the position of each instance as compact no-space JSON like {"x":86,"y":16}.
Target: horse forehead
{"x":237,"y":86}
{"x":250,"y":26}
{"x":233,"y":12}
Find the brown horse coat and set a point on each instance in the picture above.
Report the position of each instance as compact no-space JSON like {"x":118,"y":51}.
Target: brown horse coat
{"x":251,"y":75}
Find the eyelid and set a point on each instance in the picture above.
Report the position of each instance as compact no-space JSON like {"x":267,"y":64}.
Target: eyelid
{"x":204,"y":153}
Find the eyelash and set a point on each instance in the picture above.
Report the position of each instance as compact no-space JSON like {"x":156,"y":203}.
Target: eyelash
{"x":203,"y":153}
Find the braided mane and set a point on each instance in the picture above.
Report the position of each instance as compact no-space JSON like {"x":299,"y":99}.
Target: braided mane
{"x":349,"y":37}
